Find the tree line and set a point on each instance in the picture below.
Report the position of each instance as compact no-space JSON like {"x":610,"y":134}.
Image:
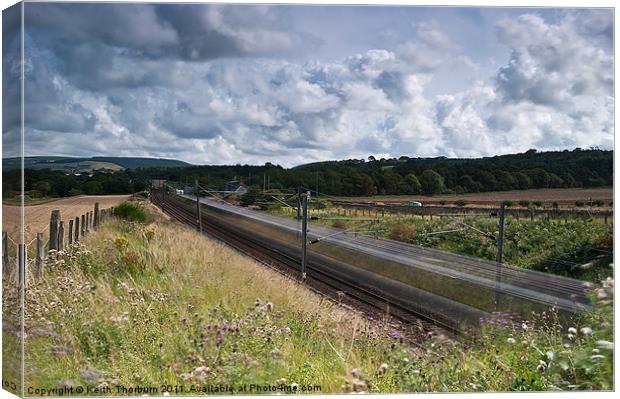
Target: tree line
{"x":353,"y":177}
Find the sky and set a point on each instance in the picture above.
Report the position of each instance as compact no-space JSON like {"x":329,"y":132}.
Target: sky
{"x":228,"y":84}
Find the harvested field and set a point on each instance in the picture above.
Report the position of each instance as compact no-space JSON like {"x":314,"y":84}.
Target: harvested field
{"x":37,"y":217}
{"x":563,"y":196}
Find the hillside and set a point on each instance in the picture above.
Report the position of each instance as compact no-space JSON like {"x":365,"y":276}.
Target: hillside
{"x":355,"y":177}
{"x":401,"y":176}
{"x":72,"y":164}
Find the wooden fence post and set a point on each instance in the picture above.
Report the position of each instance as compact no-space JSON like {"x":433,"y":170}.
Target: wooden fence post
{"x":96,"y":221}
{"x":70,"y":235}
{"x":77,"y":228}
{"x":54,"y":221}
{"x":92,"y":220}
{"x":40,"y":255}
{"x":5,"y":251}
{"x":61,"y":235}
{"x":83,"y":229}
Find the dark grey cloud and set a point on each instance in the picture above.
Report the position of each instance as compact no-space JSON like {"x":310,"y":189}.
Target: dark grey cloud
{"x":228,"y":84}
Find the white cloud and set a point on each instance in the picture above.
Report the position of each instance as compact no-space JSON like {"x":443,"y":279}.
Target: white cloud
{"x":554,"y":91}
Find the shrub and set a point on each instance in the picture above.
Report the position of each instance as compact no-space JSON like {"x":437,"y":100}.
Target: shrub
{"x":403,"y":232}
{"x":579,"y":203}
{"x":598,"y":203}
{"x":460,"y":202}
{"x":555,"y":205}
{"x":524,"y":203}
{"x":443,"y":202}
{"x":339,"y":224}
{"x":538,"y":204}
{"x":250,"y":197}
{"x":508,"y":203}
{"x":130,"y":211}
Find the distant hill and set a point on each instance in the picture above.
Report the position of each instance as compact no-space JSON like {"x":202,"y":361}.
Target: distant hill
{"x":72,"y":164}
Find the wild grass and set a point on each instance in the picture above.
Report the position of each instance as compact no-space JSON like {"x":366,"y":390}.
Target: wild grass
{"x":158,"y":305}
{"x":131,"y":211}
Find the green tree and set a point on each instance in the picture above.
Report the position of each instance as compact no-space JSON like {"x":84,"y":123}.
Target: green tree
{"x":250,"y":196}
{"x":432,"y":182}
{"x":93,"y":187}
{"x":413,"y":184}
{"x":393,"y":183}
{"x":43,"y":187}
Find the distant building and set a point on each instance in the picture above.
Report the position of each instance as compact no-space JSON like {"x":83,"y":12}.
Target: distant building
{"x":235,"y":186}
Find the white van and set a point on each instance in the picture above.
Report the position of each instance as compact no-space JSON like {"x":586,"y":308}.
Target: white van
{"x":414,"y":203}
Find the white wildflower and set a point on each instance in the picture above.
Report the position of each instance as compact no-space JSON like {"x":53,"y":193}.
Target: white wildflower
{"x":605,"y":345}
{"x":586,"y":331}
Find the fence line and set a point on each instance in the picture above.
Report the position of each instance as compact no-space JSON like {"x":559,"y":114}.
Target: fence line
{"x":60,"y":237}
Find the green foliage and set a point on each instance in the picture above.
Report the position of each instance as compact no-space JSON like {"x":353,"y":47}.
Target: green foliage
{"x":508,"y":203}
{"x":432,"y":182}
{"x":579,"y":203}
{"x":413,"y":184}
{"x":353,"y":177}
{"x":538,"y":204}
{"x":460,"y":202}
{"x":163,"y":325}
{"x":130,"y":211}
{"x":250,"y":197}
{"x":403,"y":232}
{"x":43,"y":187}
{"x":524,"y":203}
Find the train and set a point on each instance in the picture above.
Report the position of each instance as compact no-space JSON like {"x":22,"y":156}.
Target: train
{"x":444,"y":287}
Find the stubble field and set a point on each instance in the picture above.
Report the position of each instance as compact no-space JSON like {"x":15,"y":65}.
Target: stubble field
{"x":37,"y":216}
{"x":563,"y":196}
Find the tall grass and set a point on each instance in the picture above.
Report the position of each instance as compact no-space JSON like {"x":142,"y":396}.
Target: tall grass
{"x":157,"y":304}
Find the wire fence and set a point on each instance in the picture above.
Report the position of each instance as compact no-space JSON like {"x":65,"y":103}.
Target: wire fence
{"x":62,"y":234}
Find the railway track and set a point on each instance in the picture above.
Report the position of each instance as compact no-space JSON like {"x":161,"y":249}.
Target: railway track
{"x":320,"y":277}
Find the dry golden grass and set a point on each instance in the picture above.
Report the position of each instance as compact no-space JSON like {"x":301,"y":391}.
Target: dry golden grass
{"x":164,"y":282}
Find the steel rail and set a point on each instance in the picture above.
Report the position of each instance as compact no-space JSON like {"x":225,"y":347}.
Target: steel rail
{"x":364,"y":295}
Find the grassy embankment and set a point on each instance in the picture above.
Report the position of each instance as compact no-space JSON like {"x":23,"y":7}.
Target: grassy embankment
{"x":579,"y":248}
{"x":153,"y":303}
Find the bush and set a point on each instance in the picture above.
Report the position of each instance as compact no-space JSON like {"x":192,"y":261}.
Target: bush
{"x":339,"y":224}
{"x":579,"y":203}
{"x":460,"y":202}
{"x":555,"y":205}
{"x":250,"y":197}
{"x":443,"y":202}
{"x":538,"y":204}
{"x":403,"y":232}
{"x":508,"y":203}
{"x":524,"y":203}
{"x":130,"y":211}
{"x":598,"y":203}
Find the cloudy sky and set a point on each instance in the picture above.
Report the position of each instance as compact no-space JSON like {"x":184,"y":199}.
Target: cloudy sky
{"x":293,"y":84}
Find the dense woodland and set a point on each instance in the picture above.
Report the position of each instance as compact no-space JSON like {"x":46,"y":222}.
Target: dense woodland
{"x":532,"y":169}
